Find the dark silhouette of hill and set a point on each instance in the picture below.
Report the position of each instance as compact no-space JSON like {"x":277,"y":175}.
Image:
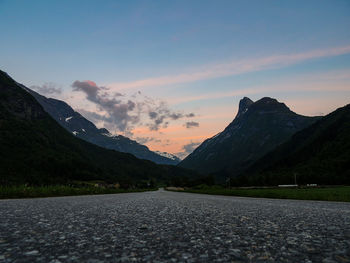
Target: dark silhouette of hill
{"x":35,"y":149}
{"x":318,"y":154}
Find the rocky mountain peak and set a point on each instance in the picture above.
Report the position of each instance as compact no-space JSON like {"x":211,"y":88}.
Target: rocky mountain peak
{"x":270,"y":104}
{"x":244,"y":105}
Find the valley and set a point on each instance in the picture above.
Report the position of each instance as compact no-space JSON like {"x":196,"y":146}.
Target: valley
{"x":175,"y":131}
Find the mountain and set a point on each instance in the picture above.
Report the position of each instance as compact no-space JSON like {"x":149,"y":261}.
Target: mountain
{"x":169,"y":156}
{"x":317,"y":154}
{"x":257,"y":129}
{"x":35,"y":149}
{"x":86,"y":130}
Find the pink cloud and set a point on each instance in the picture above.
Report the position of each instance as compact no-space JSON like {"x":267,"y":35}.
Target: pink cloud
{"x":332,"y":81}
{"x":91,"y":83}
{"x":232,"y":68}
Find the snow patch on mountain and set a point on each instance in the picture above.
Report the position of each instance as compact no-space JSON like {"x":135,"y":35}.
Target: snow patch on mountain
{"x":168,"y":155}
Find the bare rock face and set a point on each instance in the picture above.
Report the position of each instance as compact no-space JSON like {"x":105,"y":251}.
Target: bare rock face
{"x":243,"y":106}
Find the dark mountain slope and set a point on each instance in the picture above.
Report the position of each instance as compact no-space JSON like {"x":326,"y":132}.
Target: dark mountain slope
{"x":35,"y":149}
{"x":86,"y":130}
{"x":318,"y":154}
{"x":257,"y":129}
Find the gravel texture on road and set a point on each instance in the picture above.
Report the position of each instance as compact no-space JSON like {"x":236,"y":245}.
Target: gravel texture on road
{"x":166,"y":226}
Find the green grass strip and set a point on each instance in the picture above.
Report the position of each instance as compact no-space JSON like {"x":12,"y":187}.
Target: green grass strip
{"x":324,"y":194}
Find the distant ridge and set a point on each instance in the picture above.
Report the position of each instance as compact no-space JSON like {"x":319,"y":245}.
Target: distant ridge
{"x":257,"y":129}
{"x":84,"y":129}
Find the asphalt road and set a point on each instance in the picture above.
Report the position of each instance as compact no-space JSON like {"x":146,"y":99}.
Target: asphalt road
{"x":173,"y":227}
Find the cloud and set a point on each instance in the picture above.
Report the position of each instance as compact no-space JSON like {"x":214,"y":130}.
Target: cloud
{"x":123,"y":112}
{"x":47,"y":89}
{"x":101,"y":120}
{"x":331,"y":81}
{"x":153,"y":115}
{"x":191,"y":124}
{"x":89,"y":87}
{"x":231,"y":68}
{"x":175,"y":116}
{"x":156,"y":124}
{"x":144,"y":140}
{"x":119,"y":112}
{"x":161,"y":114}
{"x":188,"y":149}
{"x":93,"y":116}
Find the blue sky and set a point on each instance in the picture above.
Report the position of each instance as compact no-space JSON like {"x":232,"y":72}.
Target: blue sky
{"x":197,"y":57}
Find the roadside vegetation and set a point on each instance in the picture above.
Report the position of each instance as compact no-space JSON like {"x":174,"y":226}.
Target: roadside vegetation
{"x":24,"y":191}
{"x":337,"y":193}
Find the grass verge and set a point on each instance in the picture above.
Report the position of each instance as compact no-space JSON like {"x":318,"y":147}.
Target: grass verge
{"x":339,"y":193}
{"x":23,"y":191}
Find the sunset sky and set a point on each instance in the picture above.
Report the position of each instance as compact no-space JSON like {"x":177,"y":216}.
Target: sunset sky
{"x":170,"y":74}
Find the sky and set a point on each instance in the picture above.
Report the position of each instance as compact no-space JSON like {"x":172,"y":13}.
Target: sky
{"x":170,"y":74}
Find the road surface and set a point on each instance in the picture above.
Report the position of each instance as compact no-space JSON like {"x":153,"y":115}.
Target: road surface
{"x":166,"y":226}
